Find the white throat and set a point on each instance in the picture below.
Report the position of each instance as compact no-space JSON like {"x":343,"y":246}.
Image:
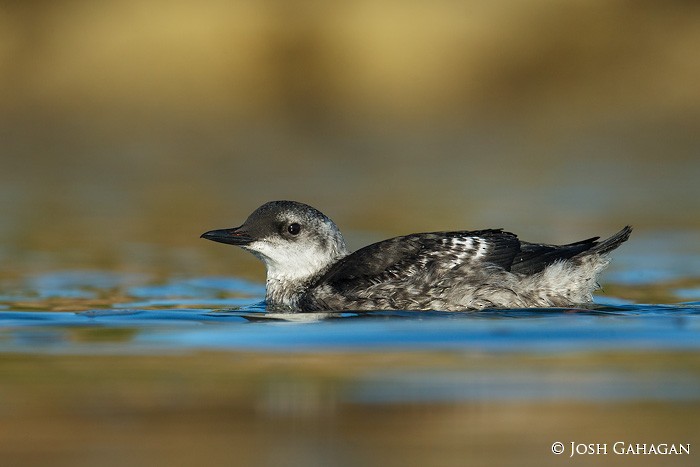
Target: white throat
{"x":291,"y":266}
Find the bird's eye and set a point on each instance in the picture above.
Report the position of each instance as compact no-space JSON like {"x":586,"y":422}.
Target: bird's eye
{"x":294,"y":228}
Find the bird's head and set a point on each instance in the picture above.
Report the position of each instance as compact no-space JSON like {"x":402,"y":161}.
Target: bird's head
{"x":294,"y":240}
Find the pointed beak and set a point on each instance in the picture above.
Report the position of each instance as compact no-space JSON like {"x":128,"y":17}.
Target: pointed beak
{"x":235,"y":236}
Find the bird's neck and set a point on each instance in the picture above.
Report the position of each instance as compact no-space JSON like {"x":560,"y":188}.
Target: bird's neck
{"x":285,"y":288}
{"x":284,"y":294}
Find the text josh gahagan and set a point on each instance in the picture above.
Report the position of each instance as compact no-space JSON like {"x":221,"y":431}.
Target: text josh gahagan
{"x":622,"y":448}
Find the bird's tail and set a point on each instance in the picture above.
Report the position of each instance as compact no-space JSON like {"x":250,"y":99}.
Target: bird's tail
{"x":609,"y":244}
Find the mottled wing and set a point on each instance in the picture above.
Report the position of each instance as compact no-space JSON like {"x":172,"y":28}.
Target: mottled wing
{"x":399,"y":258}
{"x":420,"y":263}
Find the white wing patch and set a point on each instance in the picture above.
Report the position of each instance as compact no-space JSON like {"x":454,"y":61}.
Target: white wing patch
{"x":483,"y":248}
{"x":464,"y":249}
{"x":461,"y":243}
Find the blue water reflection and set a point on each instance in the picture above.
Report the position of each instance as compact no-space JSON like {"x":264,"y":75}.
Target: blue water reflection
{"x":124,"y":315}
{"x":641,"y":327}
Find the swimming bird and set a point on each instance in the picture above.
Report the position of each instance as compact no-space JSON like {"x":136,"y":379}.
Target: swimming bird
{"x":309,"y":268}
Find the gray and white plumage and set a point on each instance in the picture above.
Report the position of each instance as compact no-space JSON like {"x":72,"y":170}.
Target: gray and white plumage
{"x":310,"y":269}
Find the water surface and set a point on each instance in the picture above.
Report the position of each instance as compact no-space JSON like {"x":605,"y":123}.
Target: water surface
{"x":165,"y":368}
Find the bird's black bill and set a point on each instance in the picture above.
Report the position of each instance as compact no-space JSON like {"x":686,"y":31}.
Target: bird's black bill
{"x":234,"y":236}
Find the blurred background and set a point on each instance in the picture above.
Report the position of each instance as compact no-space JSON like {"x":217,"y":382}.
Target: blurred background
{"x":129,"y":127}
{"x":133,"y":125}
